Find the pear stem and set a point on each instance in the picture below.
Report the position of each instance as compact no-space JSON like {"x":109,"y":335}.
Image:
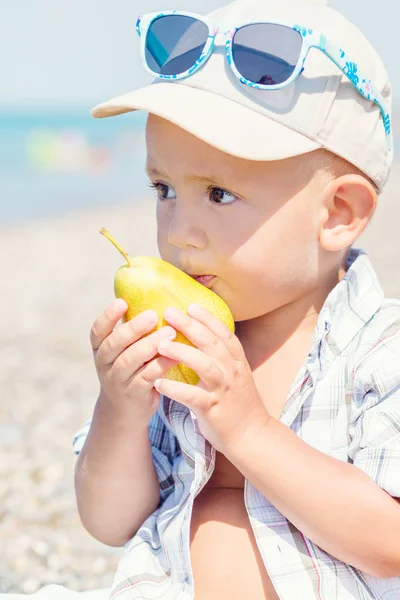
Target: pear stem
{"x":108,"y":235}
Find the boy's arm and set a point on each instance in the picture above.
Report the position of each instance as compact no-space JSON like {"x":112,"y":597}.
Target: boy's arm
{"x":116,"y":482}
{"x":348,"y":510}
{"x":333,"y":503}
{"x":116,"y":479}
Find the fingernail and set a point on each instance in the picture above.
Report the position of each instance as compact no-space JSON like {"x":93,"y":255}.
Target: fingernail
{"x":172,"y":313}
{"x":151,"y":317}
{"x":164,"y":345}
{"x":170,"y":334}
{"x":194,"y":308}
{"x":119,"y":304}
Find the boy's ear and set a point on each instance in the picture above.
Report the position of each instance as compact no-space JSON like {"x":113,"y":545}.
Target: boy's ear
{"x":348,"y":204}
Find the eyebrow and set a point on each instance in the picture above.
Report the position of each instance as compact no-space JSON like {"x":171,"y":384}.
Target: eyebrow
{"x":153,"y":171}
{"x":150,"y":170}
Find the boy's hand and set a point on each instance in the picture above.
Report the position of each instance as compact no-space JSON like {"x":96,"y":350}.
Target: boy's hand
{"x":226,"y":401}
{"x":125,"y":361}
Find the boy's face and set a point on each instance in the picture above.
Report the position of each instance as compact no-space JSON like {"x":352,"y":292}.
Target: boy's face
{"x":254,"y":225}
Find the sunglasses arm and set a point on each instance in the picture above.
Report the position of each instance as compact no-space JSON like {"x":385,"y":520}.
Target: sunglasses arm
{"x":363,"y":85}
{"x":137,"y":25}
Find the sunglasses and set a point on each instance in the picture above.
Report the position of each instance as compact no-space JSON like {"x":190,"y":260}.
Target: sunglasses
{"x":262,"y":55}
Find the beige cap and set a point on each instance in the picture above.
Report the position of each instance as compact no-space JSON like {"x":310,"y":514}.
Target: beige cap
{"x":321,"y":109}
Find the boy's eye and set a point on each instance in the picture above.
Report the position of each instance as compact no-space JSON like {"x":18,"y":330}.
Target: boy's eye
{"x":164,"y":191}
{"x":220,"y":196}
{"x":216,"y":195}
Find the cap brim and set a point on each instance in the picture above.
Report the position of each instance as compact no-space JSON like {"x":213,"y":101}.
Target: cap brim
{"x":224,"y":124}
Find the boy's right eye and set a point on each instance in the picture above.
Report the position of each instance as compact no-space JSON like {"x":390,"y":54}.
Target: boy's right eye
{"x":164,"y":191}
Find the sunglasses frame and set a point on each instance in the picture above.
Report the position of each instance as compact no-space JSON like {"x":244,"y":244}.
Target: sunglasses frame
{"x":310,"y":39}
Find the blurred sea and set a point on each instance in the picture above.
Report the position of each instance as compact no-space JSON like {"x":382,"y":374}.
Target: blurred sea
{"x":54,"y":163}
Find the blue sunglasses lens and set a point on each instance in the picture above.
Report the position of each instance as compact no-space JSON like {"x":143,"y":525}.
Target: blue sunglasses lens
{"x":266,"y":53}
{"x":174,"y":43}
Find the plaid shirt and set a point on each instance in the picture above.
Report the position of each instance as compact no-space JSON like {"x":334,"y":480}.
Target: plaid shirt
{"x":345,"y":402}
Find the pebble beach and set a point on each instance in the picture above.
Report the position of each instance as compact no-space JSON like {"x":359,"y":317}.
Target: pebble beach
{"x":57,"y":277}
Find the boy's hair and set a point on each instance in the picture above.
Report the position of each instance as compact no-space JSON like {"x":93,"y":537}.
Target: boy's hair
{"x":325,"y":161}
{"x":322,"y":108}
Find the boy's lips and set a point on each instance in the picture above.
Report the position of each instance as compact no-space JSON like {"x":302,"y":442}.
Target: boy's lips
{"x":205,"y":280}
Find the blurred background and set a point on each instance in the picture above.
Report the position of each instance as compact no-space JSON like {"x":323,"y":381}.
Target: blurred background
{"x":64,"y":175}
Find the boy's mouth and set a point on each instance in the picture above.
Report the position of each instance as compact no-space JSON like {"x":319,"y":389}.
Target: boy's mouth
{"x":205,"y":280}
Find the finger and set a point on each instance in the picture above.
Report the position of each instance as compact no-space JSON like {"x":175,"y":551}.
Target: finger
{"x":218,"y":328}
{"x":104,"y":325}
{"x":191,"y":396}
{"x":153,"y":370}
{"x":204,"y":365}
{"x":125,"y":335}
{"x":139,"y":353}
{"x":198,"y":333}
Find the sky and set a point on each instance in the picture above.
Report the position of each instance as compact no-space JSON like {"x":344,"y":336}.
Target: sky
{"x":77,"y":53}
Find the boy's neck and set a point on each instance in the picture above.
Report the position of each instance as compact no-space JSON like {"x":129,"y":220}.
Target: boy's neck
{"x":265,"y":335}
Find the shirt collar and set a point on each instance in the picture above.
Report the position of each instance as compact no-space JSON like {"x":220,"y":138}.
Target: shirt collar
{"x":349,"y":306}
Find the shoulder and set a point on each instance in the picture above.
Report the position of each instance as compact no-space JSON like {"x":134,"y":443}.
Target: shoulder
{"x":378,"y":363}
{"x":382,"y":332}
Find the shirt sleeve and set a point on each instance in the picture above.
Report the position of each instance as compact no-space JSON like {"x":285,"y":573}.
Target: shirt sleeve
{"x":375,"y":423}
{"x":164,"y":447}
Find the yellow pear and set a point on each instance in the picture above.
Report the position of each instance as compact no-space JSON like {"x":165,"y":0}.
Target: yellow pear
{"x":147,"y":282}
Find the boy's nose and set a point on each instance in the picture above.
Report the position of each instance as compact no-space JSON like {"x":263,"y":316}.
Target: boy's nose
{"x":185,"y":230}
